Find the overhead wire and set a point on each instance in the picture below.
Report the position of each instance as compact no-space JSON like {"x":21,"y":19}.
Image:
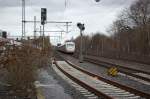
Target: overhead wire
{"x":65,"y":4}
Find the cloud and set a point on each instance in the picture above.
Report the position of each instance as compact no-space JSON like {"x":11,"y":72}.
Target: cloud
{"x":9,"y":3}
{"x":95,"y":16}
{"x":116,"y":3}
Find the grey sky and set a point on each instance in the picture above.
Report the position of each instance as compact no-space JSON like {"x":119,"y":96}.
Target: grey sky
{"x":95,"y":16}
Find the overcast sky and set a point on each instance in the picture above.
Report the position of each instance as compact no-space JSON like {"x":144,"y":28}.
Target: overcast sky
{"x":95,"y":16}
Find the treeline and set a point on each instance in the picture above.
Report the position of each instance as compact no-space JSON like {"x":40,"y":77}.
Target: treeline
{"x":129,"y":36}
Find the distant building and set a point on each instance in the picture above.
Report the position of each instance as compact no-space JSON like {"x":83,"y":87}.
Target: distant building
{"x":3,"y":40}
{"x":3,"y":34}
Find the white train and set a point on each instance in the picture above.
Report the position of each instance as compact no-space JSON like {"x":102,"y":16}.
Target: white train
{"x":68,"y":47}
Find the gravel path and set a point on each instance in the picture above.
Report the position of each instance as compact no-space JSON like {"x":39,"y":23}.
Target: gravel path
{"x":99,"y":70}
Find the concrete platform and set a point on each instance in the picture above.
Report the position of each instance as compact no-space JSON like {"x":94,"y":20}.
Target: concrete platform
{"x":49,"y":88}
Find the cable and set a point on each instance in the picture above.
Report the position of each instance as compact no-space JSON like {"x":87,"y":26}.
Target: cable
{"x":65,"y":4}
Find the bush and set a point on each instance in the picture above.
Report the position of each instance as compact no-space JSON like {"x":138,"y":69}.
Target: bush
{"x":22,"y":63}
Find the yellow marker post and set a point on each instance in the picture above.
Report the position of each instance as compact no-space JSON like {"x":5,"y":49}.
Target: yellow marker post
{"x":113,"y":71}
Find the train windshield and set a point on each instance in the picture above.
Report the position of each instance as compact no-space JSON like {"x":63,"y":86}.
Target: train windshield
{"x":70,"y":45}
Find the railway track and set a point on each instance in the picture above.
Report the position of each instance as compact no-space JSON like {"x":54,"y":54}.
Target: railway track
{"x":130,"y":72}
{"x":96,"y":86}
{"x":134,"y":74}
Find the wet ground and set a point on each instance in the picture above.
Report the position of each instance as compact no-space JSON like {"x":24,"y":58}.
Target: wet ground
{"x":54,"y":87}
{"x":50,"y":87}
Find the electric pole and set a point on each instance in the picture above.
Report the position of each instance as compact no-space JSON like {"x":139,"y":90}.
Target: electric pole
{"x":23,"y":19}
{"x":34,"y":27}
{"x":40,"y":31}
{"x":67,"y":25}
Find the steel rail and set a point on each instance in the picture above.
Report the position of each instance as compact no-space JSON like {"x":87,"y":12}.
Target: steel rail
{"x":124,"y":87}
{"x":123,"y":67}
{"x":91,"y":89}
{"x":119,"y":68}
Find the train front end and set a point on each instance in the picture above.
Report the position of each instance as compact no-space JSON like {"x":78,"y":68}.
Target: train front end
{"x":70,"y":47}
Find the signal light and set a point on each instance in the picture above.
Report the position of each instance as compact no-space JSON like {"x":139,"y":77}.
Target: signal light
{"x":81,"y":26}
{"x":97,"y":0}
{"x":43,"y":15}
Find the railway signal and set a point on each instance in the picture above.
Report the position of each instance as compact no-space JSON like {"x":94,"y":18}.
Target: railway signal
{"x":43,"y":15}
{"x":97,"y":0}
{"x":82,"y":28}
{"x":43,"y":21}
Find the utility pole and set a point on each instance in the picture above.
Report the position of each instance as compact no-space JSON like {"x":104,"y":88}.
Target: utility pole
{"x":67,"y":25}
{"x":34,"y":27}
{"x":42,"y":21}
{"x":43,"y":36}
{"x":102,"y":46}
{"x":23,"y":18}
{"x":40,"y":31}
{"x":82,"y":28}
{"x":61,"y":35}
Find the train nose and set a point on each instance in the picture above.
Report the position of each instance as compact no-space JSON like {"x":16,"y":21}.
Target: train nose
{"x":70,"y":49}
